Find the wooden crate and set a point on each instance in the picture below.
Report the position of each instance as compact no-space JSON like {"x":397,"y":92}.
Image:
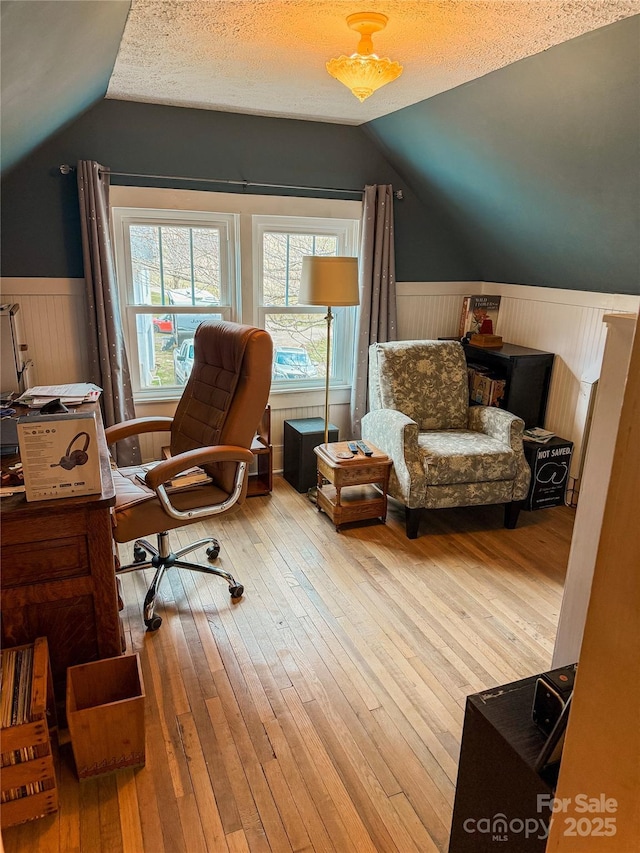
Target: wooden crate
{"x":32,"y":738}
{"x":105,"y":714}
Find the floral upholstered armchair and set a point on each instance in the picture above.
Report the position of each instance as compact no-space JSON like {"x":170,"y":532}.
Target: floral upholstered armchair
{"x":445,"y":453}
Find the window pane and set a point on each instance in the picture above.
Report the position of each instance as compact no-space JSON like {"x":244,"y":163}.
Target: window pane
{"x":145,"y":264}
{"x":175,"y":265}
{"x":206,"y":261}
{"x":299,"y":345}
{"x":282,"y":263}
{"x":165,"y":347}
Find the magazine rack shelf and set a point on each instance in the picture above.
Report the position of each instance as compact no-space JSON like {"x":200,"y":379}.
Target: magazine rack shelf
{"x":527,"y":375}
{"x":261,"y":482}
{"x":28,"y":784}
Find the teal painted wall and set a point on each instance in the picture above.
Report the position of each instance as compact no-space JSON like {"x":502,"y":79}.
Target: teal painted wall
{"x":536,"y":166}
{"x":57,"y":58}
{"x":530,"y":175}
{"x":40,"y":220}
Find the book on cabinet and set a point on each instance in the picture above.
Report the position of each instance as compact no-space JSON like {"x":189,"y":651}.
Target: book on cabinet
{"x":526,"y":373}
{"x":479,"y":315}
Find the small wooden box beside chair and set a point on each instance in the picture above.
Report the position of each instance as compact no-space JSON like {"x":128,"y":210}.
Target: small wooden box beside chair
{"x":213,"y":427}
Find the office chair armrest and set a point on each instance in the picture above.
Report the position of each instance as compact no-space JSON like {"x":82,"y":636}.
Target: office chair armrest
{"x":201,"y":456}
{"x":136,"y":426}
{"x":170,"y":468}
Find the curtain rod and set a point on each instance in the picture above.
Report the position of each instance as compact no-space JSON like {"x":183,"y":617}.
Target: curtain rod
{"x":65,"y":169}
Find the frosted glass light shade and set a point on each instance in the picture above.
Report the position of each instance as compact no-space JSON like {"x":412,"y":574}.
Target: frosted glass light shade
{"x":330,"y":281}
{"x":363,"y":74}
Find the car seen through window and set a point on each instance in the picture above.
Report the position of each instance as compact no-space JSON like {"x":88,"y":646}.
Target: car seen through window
{"x":293,"y":363}
{"x":183,"y":361}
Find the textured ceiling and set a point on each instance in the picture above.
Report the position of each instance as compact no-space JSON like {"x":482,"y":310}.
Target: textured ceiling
{"x":269,"y":58}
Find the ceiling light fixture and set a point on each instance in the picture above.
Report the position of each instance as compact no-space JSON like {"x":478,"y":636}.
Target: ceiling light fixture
{"x":363,"y":72}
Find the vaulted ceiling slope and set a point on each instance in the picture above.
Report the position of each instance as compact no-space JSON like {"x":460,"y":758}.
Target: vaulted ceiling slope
{"x":57,"y":58}
{"x":527,"y":174}
{"x":264,"y":57}
{"x":535,"y":166}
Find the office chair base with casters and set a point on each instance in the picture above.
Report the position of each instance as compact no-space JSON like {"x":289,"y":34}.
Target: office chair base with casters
{"x":163,"y":559}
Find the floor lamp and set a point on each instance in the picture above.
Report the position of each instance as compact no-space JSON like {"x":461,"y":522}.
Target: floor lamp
{"x":333,"y":282}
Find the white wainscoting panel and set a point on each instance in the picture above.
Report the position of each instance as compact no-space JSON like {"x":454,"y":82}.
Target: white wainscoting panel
{"x":339,"y":417}
{"x":567,"y":323}
{"x":430,"y":310}
{"x":53,"y":322}
{"x":570,"y":324}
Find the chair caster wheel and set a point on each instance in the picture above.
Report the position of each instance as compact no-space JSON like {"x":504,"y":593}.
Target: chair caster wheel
{"x":236,"y":591}
{"x":139,"y":554}
{"x":213,"y":551}
{"x":154,"y":623}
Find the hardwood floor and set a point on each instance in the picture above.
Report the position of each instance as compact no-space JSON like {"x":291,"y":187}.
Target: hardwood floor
{"x":323,"y":712}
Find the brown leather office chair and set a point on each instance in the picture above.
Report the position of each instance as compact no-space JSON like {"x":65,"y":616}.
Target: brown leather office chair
{"x":214,"y":424}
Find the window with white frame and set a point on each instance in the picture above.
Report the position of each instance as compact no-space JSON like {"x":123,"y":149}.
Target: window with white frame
{"x":175,"y":269}
{"x":179,"y":267}
{"x":299,"y":332}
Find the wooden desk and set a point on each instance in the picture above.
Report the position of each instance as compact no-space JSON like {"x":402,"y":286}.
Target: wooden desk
{"x":58,"y":576}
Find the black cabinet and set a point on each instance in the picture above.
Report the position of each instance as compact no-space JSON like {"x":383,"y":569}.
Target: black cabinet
{"x":502,"y":802}
{"x":527,"y":373}
{"x":301,"y":435}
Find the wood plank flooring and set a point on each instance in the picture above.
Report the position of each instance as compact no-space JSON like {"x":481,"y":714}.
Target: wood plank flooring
{"x":323,"y":712}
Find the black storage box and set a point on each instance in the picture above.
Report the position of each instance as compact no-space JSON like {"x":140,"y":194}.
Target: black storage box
{"x":301,"y":435}
{"x":550,"y":464}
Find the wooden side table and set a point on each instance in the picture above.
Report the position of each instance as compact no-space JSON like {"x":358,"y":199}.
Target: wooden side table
{"x":352,"y":489}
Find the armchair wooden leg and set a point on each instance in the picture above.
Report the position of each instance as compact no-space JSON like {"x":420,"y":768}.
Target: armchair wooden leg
{"x":412,"y":521}
{"x":511,"y":513}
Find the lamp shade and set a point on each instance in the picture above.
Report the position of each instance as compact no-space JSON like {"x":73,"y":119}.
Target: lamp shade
{"x":329,"y":281}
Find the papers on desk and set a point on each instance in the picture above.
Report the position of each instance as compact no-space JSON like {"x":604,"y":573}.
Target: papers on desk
{"x":191,"y":477}
{"x":9,"y":491}
{"x":72,"y":394}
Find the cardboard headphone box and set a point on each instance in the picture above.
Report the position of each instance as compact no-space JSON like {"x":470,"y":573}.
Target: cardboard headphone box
{"x":59,"y":455}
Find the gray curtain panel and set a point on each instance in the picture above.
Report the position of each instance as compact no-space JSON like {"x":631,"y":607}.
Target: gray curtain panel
{"x":377,"y":318}
{"x":108,"y":366}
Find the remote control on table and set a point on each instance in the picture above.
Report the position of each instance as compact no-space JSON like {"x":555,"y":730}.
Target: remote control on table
{"x":353,"y":447}
{"x":364,"y":448}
